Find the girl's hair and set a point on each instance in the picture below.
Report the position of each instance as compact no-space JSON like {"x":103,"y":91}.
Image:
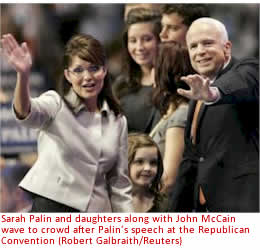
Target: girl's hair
{"x":171,"y":64}
{"x":89,"y":49}
{"x":139,"y":140}
{"x":131,"y":70}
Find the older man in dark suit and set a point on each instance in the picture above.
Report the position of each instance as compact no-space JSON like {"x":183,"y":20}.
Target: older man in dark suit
{"x":220,"y":167}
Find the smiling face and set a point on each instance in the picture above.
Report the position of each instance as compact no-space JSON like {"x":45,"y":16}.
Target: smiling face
{"x":208,"y":48}
{"x":144,"y":166}
{"x":86,"y":79}
{"x":142,"y":43}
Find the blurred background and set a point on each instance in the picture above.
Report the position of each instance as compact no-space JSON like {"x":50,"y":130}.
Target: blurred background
{"x":46,"y":28}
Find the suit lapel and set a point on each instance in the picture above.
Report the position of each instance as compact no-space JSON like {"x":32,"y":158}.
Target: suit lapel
{"x":192,"y":105}
{"x":200,"y":116}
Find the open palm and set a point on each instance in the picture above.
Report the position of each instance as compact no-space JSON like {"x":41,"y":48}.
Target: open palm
{"x":18,"y":56}
{"x":199,"y":88}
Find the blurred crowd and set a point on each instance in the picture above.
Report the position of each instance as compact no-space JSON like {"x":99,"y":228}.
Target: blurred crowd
{"x":46,"y":28}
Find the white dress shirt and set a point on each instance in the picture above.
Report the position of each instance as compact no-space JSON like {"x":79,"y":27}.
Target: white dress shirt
{"x":82,"y":156}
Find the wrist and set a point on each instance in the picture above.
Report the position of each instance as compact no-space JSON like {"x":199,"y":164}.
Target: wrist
{"x":24,"y":76}
{"x":213,"y":94}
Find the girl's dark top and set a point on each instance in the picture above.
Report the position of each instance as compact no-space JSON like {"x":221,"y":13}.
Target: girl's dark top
{"x":160,"y":204}
{"x":140,"y":113}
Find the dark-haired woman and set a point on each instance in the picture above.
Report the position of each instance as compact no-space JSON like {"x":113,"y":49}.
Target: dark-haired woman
{"x":172,"y":63}
{"x":134,"y":87}
{"x":82,"y":143}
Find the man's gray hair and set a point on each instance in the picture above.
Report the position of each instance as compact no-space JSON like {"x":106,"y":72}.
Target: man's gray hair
{"x":218,"y":25}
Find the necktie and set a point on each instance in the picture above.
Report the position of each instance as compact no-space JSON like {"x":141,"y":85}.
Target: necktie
{"x":194,"y":123}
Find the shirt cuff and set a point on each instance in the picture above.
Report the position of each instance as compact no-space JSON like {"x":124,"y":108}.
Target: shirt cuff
{"x":217,"y":94}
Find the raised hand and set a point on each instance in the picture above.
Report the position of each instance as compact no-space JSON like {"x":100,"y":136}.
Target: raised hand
{"x":18,"y":56}
{"x":199,"y":89}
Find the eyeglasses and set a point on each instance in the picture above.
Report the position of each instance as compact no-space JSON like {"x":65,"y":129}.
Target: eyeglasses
{"x":79,"y":71}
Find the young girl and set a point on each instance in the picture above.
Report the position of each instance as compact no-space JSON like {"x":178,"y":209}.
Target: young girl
{"x":172,"y":63}
{"x":135,"y":85}
{"x":145,"y":169}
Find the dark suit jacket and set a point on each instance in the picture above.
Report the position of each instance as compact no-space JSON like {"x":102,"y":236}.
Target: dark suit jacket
{"x":225,"y":159}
